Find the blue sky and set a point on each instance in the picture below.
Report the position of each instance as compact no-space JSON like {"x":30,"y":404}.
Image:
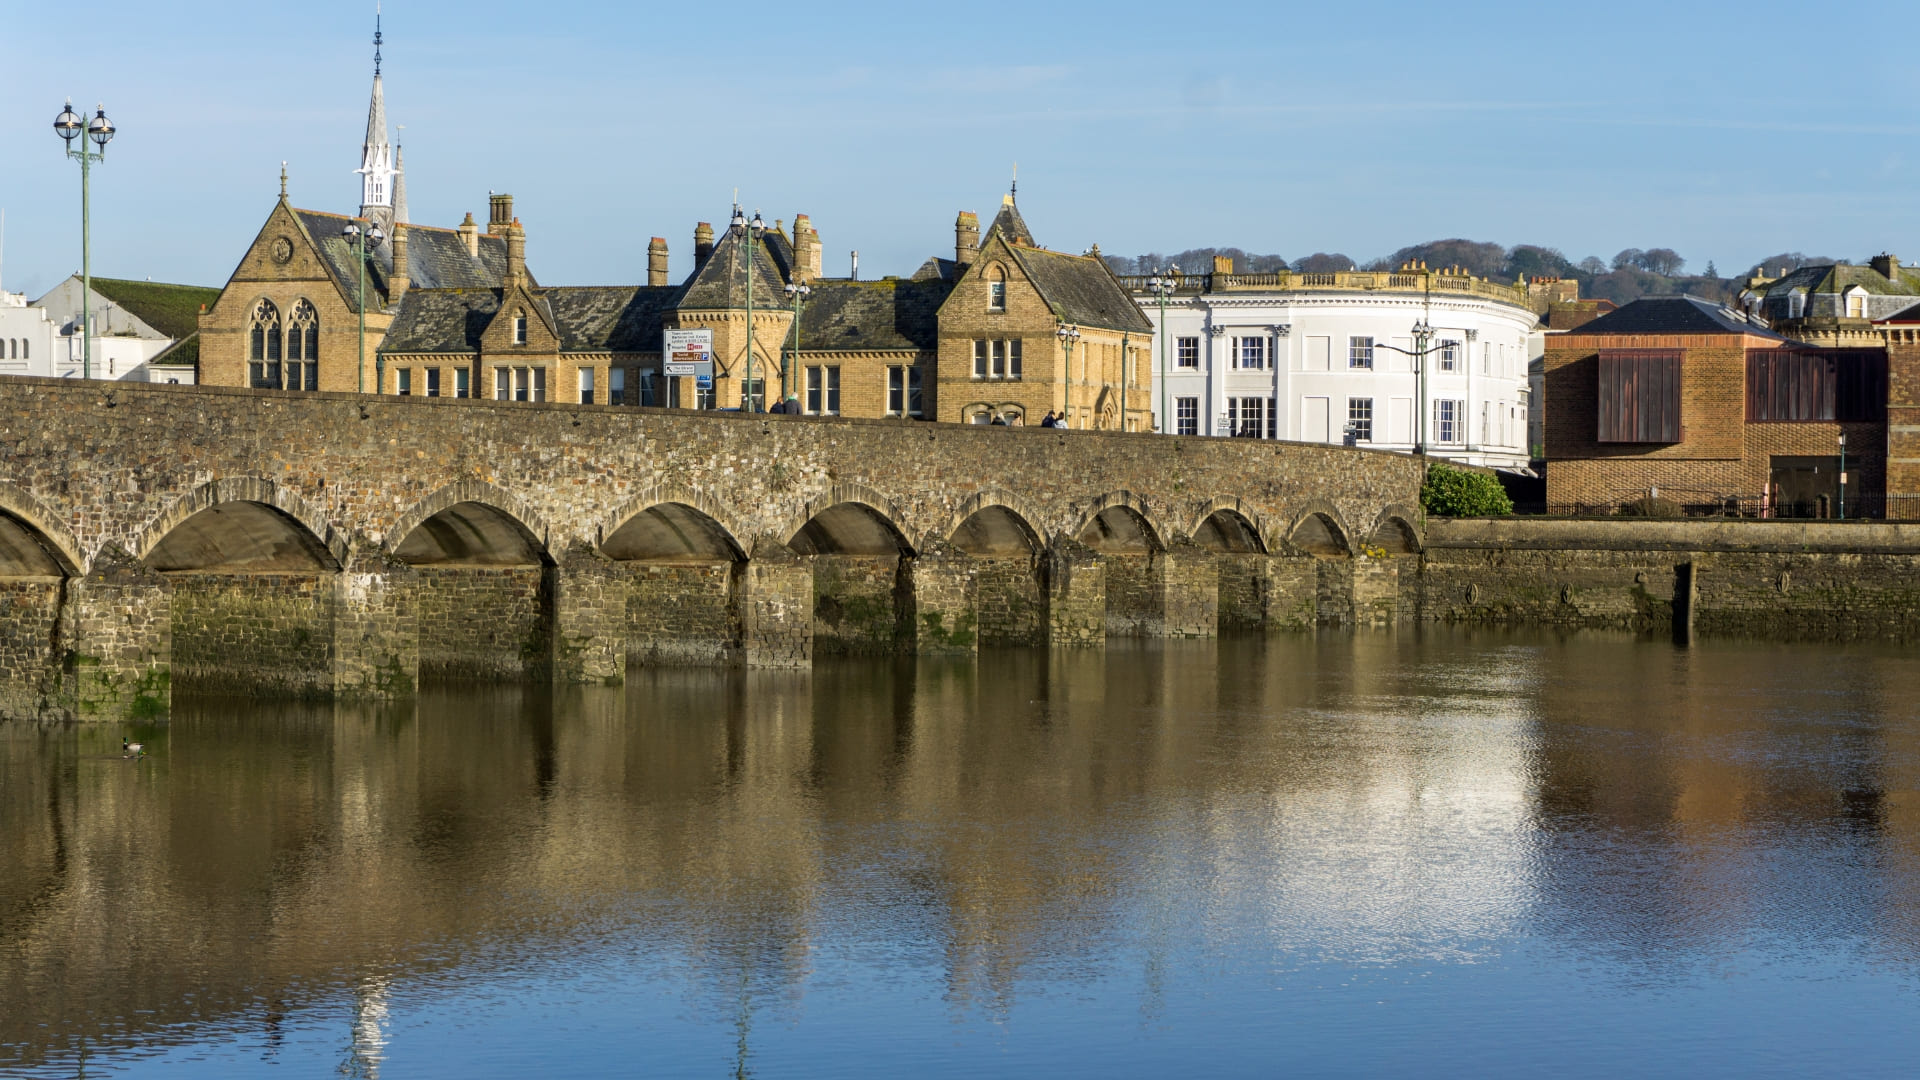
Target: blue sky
{"x":1727,"y":133}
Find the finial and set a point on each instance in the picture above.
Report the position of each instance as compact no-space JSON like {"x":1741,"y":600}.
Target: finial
{"x":376,"y":39}
{"x":283,"y":180}
{"x":1013,"y":193}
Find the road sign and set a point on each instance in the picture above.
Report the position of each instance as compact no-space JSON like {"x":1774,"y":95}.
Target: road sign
{"x":688,"y":352}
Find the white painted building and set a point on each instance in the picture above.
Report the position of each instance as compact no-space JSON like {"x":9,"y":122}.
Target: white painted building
{"x":29,"y":338}
{"x":1305,"y":357}
{"x":142,"y":331}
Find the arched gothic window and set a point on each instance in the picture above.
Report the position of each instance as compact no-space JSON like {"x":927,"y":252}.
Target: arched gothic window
{"x":263,"y":347}
{"x":996,"y":289}
{"x":303,"y":348}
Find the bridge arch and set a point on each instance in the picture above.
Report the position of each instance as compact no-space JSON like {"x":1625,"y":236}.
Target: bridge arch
{"x":862,"y":584}
{"x":1119,"y":522}
{"x":1394,"y":530}
{"x":33,"y":542}
{"x":995,"y":522}
{"x":850,"y":519}
{"x":243,"y":524}
{"x":1319,"y":530}
{"x":671,"y":524}
{"x":1227,"y":524}
{"x":470,"y":523}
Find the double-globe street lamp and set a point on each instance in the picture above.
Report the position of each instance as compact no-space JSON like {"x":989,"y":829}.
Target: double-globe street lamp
{"x":69,"y":126}
{"x":1160,"y":284}
{"x":753,"y":231}
{"x":358,"y":239}
{"x":1069,"y":336}
{"x":1422,"y":346}
{"x":798,"y":291}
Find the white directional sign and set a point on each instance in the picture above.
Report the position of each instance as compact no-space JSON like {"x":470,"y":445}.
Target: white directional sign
{"x":688,"y":352}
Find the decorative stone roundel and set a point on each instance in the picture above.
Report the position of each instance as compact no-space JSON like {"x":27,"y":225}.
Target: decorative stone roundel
{"x":282,"y":250}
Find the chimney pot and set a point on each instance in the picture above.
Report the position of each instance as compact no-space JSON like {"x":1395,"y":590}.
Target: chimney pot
{"x":516,"y":253}
{"x":1223,"y":264}
{"x":499,"y":213}
{"x":966,"y":237}
{"x":402,"y":277}
{"x":806,"y":255}
{"x":702,"y":243}
{"x":657,"y":261}
{"x":470,"y":237}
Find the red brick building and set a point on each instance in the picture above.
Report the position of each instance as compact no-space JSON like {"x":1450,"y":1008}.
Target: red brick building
{"x":1683,"y":399}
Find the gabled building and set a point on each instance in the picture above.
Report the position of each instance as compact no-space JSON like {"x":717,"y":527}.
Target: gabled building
{"x":1685,"y":401}
{"x":1027,"y":331}
{"x":143,"y":331}
{"x":1833,"y":306}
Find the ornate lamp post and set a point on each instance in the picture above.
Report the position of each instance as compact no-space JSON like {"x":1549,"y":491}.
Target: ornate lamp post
{"x":753,"y":231}
{"x":359,"y":239}
{"x":69,"y":126}
{"x":1068,"y":335}
{"x":798,"y":291}
{"x":1422,"y":335}
{"x":1160,"y":285}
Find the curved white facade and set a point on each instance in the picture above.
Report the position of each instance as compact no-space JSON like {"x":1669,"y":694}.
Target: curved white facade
{"x":1287,"y":357}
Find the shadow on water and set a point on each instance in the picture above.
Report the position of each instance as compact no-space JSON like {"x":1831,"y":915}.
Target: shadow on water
{"x":992,"y":828}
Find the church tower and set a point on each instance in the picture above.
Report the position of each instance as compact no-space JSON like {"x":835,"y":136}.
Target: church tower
{"x":381,"y":183}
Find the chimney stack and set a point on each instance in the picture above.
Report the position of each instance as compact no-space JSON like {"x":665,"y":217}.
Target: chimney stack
{"x":516,"y":253}
{"x":470,"y":236}
{"x":856,"y":266}
{"x":1223,"y":264}
{"x":500,"y":213}
{"x":1888,"y":265}
{"x":657,"y":261}
{"x":402,"y":275}
{"x":803,"y":249}
{"x":966,"y":237}
{"x":702,"y":244}
{"x":813,"y":252}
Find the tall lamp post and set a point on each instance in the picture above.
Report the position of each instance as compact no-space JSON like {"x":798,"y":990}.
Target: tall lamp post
{"x":1160,"y":285}
{"x":1422,"y":346}
{"x":359,"y":239}
{"x":799,"y":291}
{"x":1068,"y":335}
{"x":753,"y":231}
{"x":69,"y":126}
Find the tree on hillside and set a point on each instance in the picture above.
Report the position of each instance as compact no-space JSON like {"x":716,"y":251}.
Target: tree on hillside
{"x":1321,"y":262}
{"x":1480,"y":259}
{"x":1532,"y":261}
{"x":1593,"y":264}
{"x":1663,"y":261}
{"x":1628,"y":259}
{"x":1711,"y":271}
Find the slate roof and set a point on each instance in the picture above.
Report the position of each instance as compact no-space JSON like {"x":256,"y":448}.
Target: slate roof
{"x":182,"y":353}
{"x":174,"y":310}
{"x":1673,"y":315}
{"x":721,"y":283}
{"x":1010,"y":224}
{"x":610,"y":318}
{"x":1904,"y":315}
{"x":441,"y":321}
{"x":885,"y":314}
{"x":436,"y":259}
{"x":1080,"y":289}
{"x":937,"y":269}
{"x":590,"y":318}
{"x":1828,"y":280}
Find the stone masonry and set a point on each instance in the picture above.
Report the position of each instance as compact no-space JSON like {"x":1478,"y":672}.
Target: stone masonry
{"x":340,"y":544}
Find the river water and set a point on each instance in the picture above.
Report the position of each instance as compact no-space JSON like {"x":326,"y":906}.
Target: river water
{"x":1440,"y":853}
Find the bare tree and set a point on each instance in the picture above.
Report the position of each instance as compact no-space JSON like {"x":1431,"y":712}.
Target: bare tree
{"x":1663,"y":261}
{"x":1593,"y":264}
{"x":1322,"y":263}
{"x":1630,"y":259}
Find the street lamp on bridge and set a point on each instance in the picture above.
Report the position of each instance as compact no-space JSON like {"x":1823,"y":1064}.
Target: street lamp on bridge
{"x":1160,"y":285}
{"x":69,"y":126}
{"x":359,"y":238}
{"x":1069,"y":336}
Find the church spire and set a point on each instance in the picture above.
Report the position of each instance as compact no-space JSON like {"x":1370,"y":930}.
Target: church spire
{"x":376,"y":154}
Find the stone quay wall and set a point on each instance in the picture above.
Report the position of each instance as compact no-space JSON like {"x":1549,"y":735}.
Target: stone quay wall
{"x":1775,"y":579}
{"x":349,"y":544}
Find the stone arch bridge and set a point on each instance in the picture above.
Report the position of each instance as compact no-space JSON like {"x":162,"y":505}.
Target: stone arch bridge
{"x":337,"y":544}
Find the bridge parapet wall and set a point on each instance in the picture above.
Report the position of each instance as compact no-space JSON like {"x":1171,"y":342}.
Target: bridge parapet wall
{"x":98,"y":471}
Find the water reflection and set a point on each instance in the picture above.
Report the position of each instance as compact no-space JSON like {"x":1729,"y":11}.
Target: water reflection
{"x":969,"y":839}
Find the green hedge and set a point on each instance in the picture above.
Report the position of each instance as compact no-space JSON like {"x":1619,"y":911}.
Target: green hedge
{"x":1451,"y":492}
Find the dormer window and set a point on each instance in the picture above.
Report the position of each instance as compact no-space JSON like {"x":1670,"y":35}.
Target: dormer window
{"x":1856,"y":305}
{"x":996,"y":290}
{"x":520,"y":329}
